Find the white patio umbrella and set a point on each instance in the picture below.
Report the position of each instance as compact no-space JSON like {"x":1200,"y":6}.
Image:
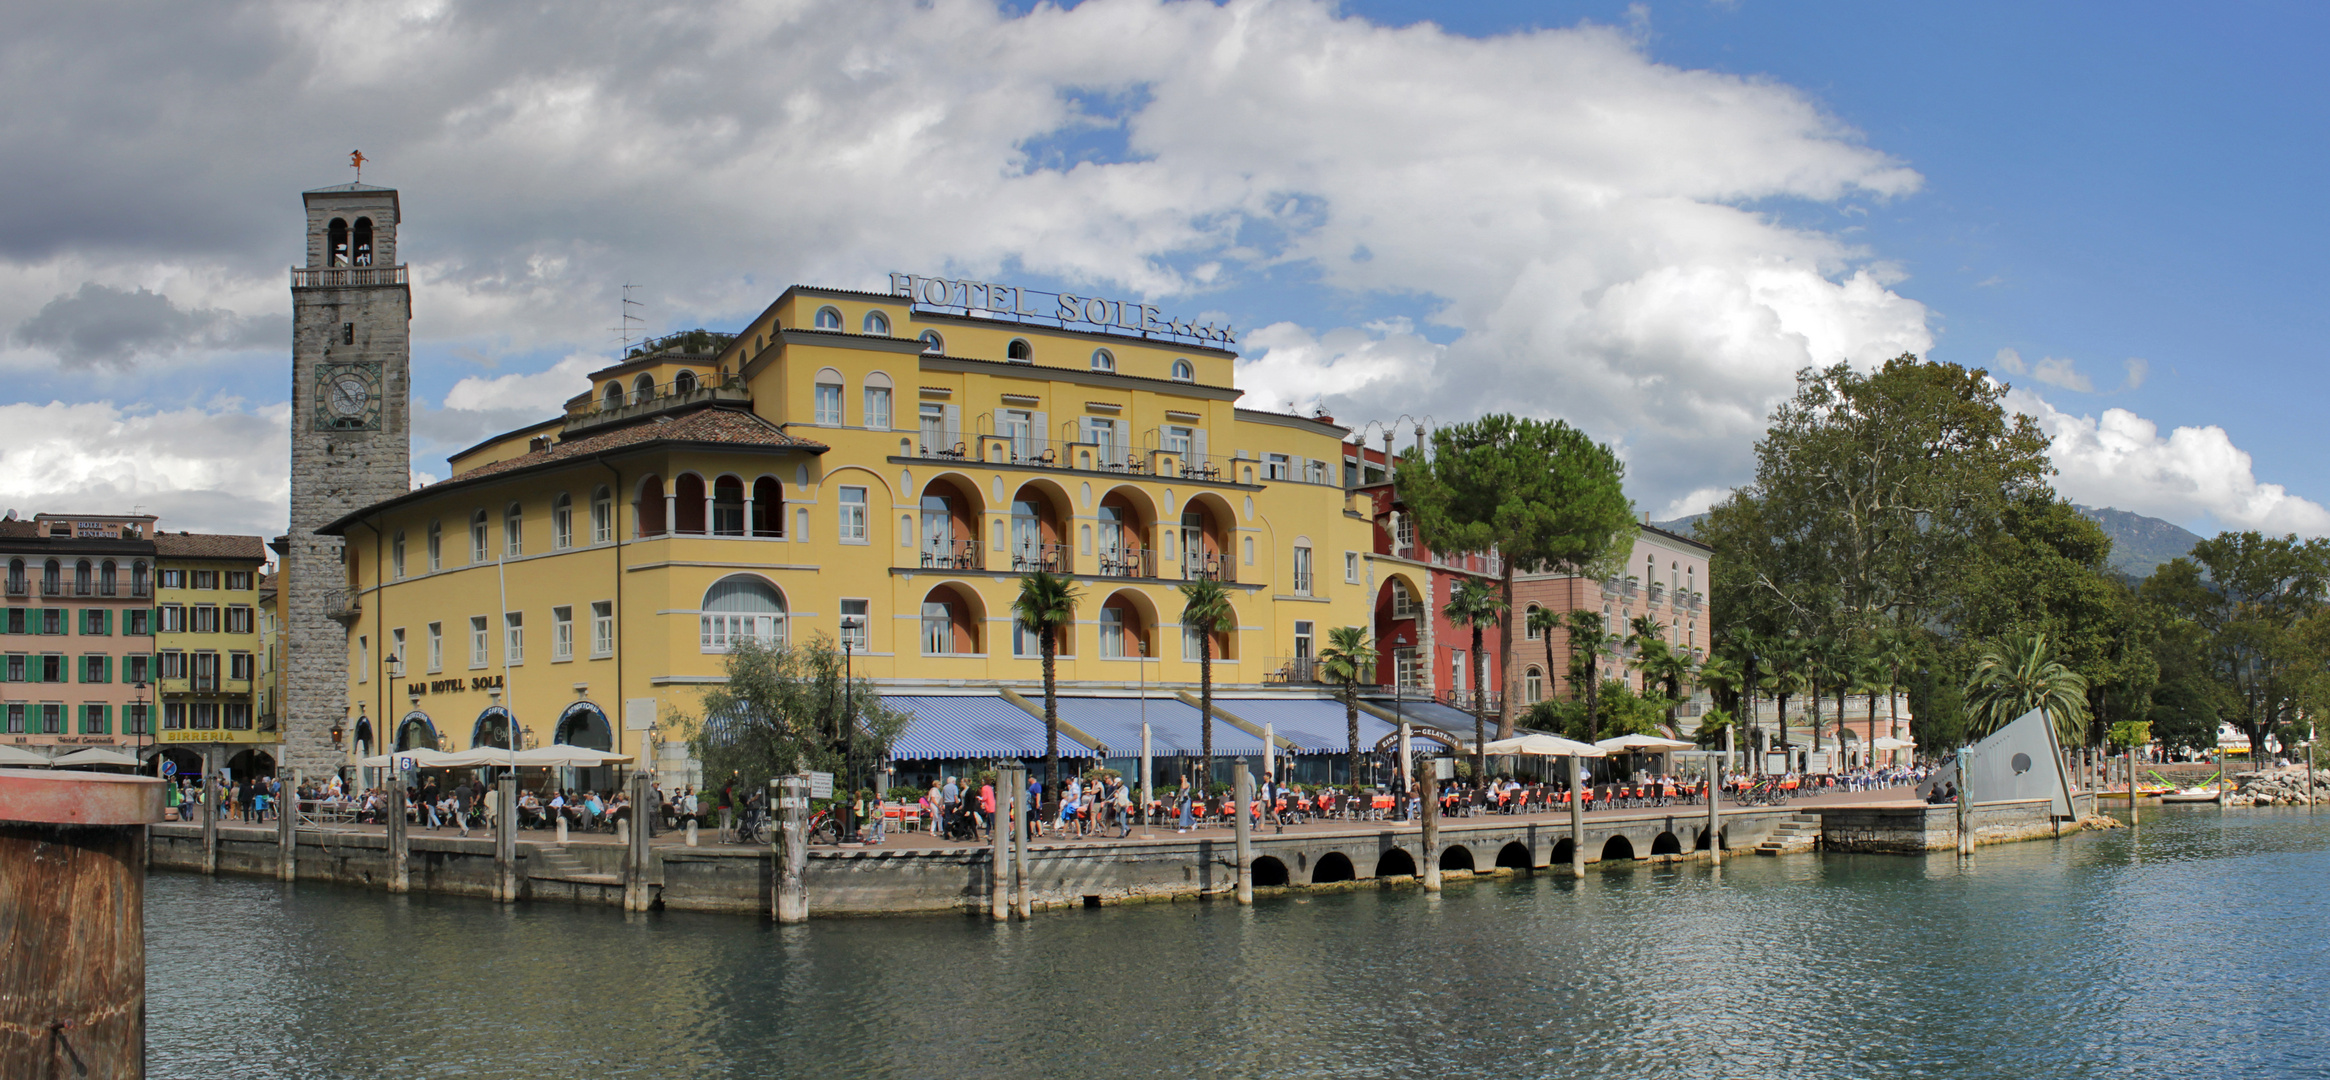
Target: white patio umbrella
{"x":1888,"y":742}
{"x":1643,"y":744}
{"x":21,"y":758}
{"x":96,"y":756}
{"x":422,"y":758}
{"x":1542,"y":745}
{"x":560,"y":754}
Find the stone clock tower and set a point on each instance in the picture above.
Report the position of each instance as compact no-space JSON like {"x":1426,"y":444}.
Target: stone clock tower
{"x":351,"y":356}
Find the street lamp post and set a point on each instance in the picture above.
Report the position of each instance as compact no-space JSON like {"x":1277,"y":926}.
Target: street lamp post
{"x":145,"y":724}
{"x":849,"y":817}
{"x":1399,"y":712}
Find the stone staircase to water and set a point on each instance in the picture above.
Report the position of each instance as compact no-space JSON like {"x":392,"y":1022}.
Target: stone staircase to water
{"x":1801,"y":832}
{"x":551,"y":862}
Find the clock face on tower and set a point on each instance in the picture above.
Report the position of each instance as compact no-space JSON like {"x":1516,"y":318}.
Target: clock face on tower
{"x":347,"y":397}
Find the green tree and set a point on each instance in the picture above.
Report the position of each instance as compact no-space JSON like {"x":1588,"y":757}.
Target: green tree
{"x":774,"y":714}
{"x":1543,"y":621}
{"x":1873,"y":496}
{"x":1046,"y":603}
{"x":1346,"y":660}
{"x":1538,"y":492}
{"x":1669,"y":669}
{"x":1590,"y":640}
{"x":1895,"y":656}
{"x":1206,"y":606}
{"x":1712,"y":728}
{"x":1783,"y":663}
{"x":2249,"y":614}
{"x":1479,"y":605}
{"x":2021,"y":672}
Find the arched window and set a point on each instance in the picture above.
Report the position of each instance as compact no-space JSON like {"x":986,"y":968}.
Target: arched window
{"x":477,"y":537}
{"x":932,"y":344}
{"x":643,"y":387}
{"x":105,"y":578}
{"x":728,"y":506}
{"x":1184,"y":371}
{"x":562,"y":522}
{"x":648,"y":513}
{"x":52,"y":578}
{"x":741,"y":607}
{"x":1534,"y":685}
{"x":17,"y":585}
{"x":683,"y":382}
{"x":363,"y":256}
{"x":1103,"y":360}
{"x":1529,"y":620}
{"x":436,"y":546}
{"x":877,"y":324}
{"x":768,"y":507}
{"x":139,"y":583}
{"x":828,"y":399}
{"x":514,"y":531}
{"x":602,"y":515}
{"x":829,"y":318}
{"x":688,"y":505}
{"x":396,"y":554}
{"x":614,"y":396}
{"x":83,"y":585}
{"x":1019,"y":351}
{"x":336,"y":242}
{"x":877,"y":415}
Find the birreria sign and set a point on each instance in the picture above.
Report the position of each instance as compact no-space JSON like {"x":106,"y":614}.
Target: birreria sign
{"x":1014,"y":302}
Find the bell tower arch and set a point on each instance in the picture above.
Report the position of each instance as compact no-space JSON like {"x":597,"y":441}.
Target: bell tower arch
{"x":351,"y":445}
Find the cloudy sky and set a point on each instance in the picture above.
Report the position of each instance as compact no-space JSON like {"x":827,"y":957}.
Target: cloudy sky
{"x":1643,"y":218}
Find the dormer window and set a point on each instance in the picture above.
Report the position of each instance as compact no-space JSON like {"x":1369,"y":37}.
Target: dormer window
{"x":829,"y":318}
{"x":1020,"y":352}
{"x":1184,"y":371}
{"x":877,"y":324}
{"x":1103,"y":360}
{"x":932,"y":344}
{"x":683,"y":382}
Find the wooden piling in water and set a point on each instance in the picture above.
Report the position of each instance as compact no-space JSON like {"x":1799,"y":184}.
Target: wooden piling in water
{"x":72,"y":917}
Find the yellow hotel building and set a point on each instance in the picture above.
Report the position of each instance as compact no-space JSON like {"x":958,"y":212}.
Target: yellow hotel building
{"x":860,"y":456}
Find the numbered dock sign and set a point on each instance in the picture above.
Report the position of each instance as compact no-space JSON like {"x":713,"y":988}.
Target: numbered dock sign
{"x":404,"y":764}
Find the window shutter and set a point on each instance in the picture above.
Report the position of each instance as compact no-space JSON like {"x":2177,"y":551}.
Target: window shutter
{"x":1040,"y":425}
{"x":107,"y":618}
{"x":1197,"y":445}
{"x":105,"y":720}
{"x":108,"y":669}
{"x":39,"y":617}
{"x":954,"y":425}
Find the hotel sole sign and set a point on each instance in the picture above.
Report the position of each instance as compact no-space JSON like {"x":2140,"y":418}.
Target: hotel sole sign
{"x":1019,"y":304}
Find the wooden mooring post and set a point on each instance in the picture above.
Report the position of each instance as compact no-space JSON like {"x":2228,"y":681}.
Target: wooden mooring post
{"x":287,"y":828}
{"x":72,"y":922}
{"x":789,"y":799}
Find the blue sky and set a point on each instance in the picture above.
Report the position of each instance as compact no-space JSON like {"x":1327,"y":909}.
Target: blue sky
{"x":1640,"y":218}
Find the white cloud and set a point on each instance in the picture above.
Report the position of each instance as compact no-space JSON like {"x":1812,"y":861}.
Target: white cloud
{"x":215,"y":468}
{"x":2011,"y":362}
{"x":2062,"y":373}
{"x":2122,"y":460}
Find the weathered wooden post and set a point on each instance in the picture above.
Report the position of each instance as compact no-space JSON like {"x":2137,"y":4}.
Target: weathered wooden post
{"x":790,"y":796}
{"x":287,"y":828}
{"x":1428,"y":871}
{"x":636,"y":894}
{"x":400,"y":876}
{"x":1148,"y":795}
{"x":1022,"y":881}
{"x":999,"y":889}
{"x":1241,"y":809}
{"x":2132,"y":812}
{"x":1966,"y":806}
{"x":1577,"y":821}
{"x":210,"y":793}
{"x":506,"y":837}
{"x":1714,"y":813}
{"x":72,"y":905}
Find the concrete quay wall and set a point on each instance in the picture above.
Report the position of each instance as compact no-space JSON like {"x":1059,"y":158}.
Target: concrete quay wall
{"x":1917,"y":829}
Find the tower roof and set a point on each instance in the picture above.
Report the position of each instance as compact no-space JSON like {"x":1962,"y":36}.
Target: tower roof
{"x":355,"y":191}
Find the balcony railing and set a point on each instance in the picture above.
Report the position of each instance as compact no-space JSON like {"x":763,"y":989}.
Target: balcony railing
{"x":1292,"y":670}
{"x":964,"y":556}
{"x":1658,"y":594}
{"x":337,"y":277}
{"x":1029,"y":557}
{"x":52,"y":588}
{"x":19,"y":586}
{"x":1462,"y":699}
{"x":1612,"y":588}
{"x":141,"y":588}
{"x":1201,"y":567}
{"x":1129,"y":563}
{"x":653,"y":399}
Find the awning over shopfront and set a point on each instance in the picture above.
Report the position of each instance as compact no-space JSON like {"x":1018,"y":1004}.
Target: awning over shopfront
{"x":1173,"y":727}
{"x":974,"y":727}
{"x":1315,"y":726}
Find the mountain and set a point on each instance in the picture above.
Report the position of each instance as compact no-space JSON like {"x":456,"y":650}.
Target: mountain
{"x":2139,"y":543}
{"x":1682,"y":526}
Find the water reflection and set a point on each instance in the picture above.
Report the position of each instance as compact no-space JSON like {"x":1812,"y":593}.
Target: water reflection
{"x":2055,"y":959}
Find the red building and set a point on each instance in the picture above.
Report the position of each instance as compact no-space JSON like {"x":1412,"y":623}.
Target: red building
{"x":1412,"y":583}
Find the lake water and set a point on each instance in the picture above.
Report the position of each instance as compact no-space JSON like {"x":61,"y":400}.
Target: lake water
{"x":2194,"y":949}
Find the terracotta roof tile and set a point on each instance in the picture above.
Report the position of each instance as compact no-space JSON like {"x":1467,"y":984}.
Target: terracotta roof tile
{"x":170,"y":545}
{"x":709,"y":425}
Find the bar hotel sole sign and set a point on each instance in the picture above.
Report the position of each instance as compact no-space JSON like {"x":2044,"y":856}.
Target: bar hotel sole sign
{"x":1018,"y":304}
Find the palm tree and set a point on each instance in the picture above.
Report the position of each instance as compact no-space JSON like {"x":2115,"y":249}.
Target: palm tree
{"x":1871,"y":677}
{"x":1543,"y":621}
{"x":1047,"y":602}
{"x":1480,"y":605}
{"x":1206,"y":606}
{"x":1896,"y":654}
{"x":2020,"y":672}
{"x":1784,"y":663}
{"x":1590,"y":639}
{"x":1818,"y":666}
{"x":1644,"y":634}
{"x":1670,"y":668}
{"x":1743,"y":650}
{"x":1346,"y":660}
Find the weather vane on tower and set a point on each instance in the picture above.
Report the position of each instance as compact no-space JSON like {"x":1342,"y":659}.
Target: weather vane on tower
{"x":356,"y":162}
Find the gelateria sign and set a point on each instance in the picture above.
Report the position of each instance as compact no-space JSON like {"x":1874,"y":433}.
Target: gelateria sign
{"x":1014,"y":302}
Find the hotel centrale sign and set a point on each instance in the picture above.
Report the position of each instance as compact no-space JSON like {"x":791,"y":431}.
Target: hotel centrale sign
{"x":1018,"y":304}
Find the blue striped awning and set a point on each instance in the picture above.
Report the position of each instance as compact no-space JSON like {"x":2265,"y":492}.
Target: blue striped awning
{"x":1454,"y":721}
{"x":1173,"y":727}
{"x":975,"y":727}
{"x":1314,"y":725}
